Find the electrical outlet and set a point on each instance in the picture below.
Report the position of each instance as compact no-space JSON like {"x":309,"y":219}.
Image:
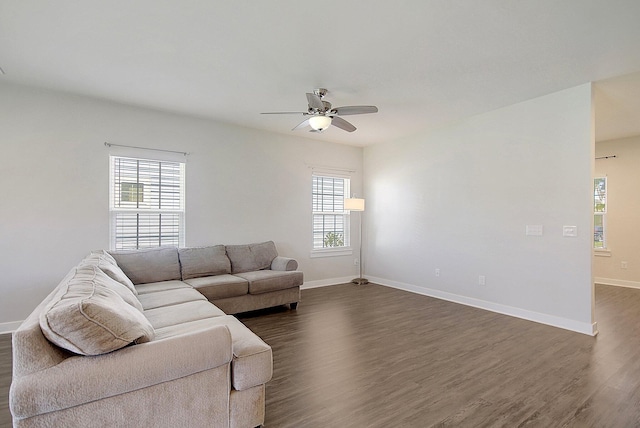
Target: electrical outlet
{"x":481,"y":280}
{"x":437,"y":272}
{"x":624,"y":265}
{"x":356,"y":262}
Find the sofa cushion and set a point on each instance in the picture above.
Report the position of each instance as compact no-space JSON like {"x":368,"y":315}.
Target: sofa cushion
{"x":181,"y":313}
{"x":106,"y":254}
{"x":89,"y":318}
{"x":86,"y":270}
{"x":252,"y":362}
{"x":122,"y":290}
{"x":149,"y":265}
{"x":247,"y":258}
{"x":169,"y":297}
{"x":264,"y":281}
{"x":154,"y":287}
{"x":108,"y":265}
{"x":220,"y":286}
{"x":203,"y":261}
{"x":252,"y":358}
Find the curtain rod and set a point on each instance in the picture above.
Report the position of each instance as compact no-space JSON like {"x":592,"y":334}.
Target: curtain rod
{"x":329,"y":168}
{"x":145,"y":148}
{"x":607,"y":157}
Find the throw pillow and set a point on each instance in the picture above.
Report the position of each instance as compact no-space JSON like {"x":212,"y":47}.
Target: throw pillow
{"x":89,"y":318}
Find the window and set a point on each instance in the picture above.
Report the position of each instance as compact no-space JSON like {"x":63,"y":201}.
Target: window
{"x":330,"y":220}
{"x":146,"y":203}
{"x":599,"y":211}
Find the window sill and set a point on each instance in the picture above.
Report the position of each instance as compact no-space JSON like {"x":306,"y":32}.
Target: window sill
{"x":602,"y":252}
{"x":331,"y":252}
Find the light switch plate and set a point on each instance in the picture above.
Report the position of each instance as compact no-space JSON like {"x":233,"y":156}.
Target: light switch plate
{"x":570,"y":231}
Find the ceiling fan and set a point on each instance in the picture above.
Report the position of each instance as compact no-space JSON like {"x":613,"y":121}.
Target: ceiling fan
{"x":321,"y":115}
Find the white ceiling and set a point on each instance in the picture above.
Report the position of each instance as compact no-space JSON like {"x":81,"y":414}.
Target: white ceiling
{"x":424,"y":63}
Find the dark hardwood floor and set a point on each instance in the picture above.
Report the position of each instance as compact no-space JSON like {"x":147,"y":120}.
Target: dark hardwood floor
{"x":372,"y":356}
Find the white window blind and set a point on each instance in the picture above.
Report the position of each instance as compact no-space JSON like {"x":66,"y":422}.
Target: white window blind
{"x":330,"y":220}
{"x":146,"y":203}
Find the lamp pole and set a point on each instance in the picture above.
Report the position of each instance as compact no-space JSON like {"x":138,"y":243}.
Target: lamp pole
{"x":356,"y":204}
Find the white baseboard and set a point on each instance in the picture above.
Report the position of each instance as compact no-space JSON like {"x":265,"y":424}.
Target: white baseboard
{"x":326,"y":282}
{"x":585,"y":328}
{"x":617,"y":282}
{"x":590,"y":329}
{"x":9,"y":327}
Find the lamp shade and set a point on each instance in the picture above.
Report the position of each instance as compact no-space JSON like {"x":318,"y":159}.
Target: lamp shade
{"x":354,"y":204}
{"x":319,"y":123}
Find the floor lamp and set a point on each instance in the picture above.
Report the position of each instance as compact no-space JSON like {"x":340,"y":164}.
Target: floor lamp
{"x":356,"y":204}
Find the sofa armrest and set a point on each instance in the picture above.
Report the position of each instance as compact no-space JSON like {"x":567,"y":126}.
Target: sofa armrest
{"x":284,"y":263}
{"x":82,"y":379}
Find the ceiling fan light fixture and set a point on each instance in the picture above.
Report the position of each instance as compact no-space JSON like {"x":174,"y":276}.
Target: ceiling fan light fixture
{"x":319,"y":123}
{"x":320,"y":115}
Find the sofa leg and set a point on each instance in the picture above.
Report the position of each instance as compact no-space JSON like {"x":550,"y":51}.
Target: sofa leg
{"x":293,"y":305}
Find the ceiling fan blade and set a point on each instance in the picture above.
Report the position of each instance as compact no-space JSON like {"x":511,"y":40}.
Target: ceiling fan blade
{"x":315,"y":101}
{"x":347,"y":110}
{"x":285,"y":112}
{"x":343,"y":124}
{"x":301,"y":124}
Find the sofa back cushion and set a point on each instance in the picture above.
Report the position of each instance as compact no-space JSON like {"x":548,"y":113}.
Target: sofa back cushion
{"x":247,"y":258}
{"x":108,"y":265}
{"x":88,"y":315}
{"x":104,"y":253}
{"x":104,"y":280}
{"x":203,"y":261}
{"x":149,"y":265}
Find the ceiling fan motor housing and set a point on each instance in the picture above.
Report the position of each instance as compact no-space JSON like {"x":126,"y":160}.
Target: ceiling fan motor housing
{"x":327,"y":108}
{"x":321,"y":92}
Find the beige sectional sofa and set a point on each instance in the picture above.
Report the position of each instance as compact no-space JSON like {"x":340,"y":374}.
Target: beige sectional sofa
{"x":140,"y":338}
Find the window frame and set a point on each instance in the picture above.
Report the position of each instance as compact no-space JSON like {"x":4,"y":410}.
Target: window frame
{"x":342,"y":250}
{"x":176,"y":208}
{"x":602,"y":213}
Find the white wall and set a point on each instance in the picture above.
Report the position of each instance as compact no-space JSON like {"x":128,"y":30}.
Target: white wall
{"x":459,"y":199}
{"x":622,"y":219}
{"x":242,"y":186}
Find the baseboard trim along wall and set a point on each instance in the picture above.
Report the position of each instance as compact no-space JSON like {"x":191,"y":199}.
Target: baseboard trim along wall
{"x":9,"y":327}
{"x":585,"y":328}
{"x":567,"y":324}
{"x":326,"y":282}
{"x":617,"y":282}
